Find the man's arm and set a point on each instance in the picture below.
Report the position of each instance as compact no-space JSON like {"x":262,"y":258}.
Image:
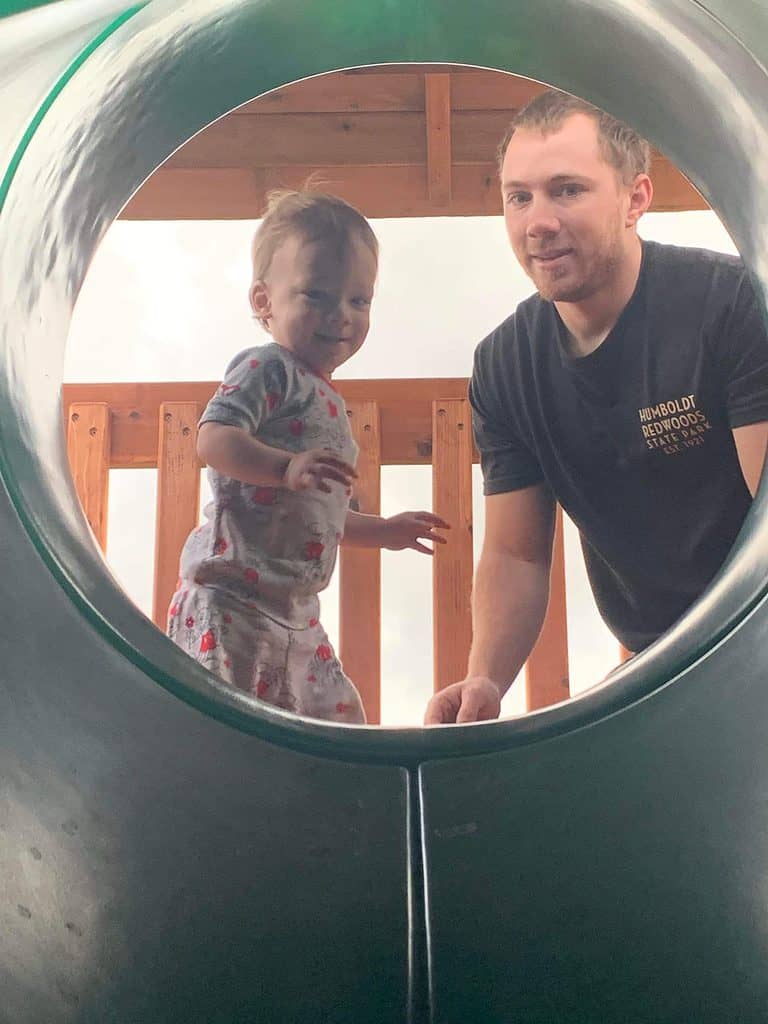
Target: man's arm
{"x":509,"y":601}
{"x":751,"y":444}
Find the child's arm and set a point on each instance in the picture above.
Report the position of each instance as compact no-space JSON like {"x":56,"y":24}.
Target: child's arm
{"x":235,"y":453}
{"x":405,"y":530}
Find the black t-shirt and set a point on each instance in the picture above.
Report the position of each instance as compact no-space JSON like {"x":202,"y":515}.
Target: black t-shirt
{"x":634,"y":440}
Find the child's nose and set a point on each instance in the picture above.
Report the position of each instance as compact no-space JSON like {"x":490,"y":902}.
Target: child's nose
{"x":339,"y":312}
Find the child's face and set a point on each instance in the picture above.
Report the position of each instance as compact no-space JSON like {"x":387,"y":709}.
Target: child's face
{"x":316,"y":298}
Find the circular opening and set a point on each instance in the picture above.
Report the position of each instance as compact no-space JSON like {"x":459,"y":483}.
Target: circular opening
{"x":153,"y":83}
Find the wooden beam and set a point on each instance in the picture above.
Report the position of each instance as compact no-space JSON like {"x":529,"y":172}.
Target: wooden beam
{"x":378,"y":191}
{"x":341,"y":92}
{"x":178,"y":497}
{"x":546,"y":671}
{"x":453,"y":561}
{"x":405,"y":409}
{"x":252,"y":140}
{"x":437,"y":93}
{"x":89,"y":447}
{"x":360,"y":570}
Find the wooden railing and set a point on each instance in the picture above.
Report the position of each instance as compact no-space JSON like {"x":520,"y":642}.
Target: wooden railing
{"x":395,"y":422}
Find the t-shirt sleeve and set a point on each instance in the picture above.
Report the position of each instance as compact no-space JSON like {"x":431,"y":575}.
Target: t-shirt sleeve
{"x":252,"y":392}
{"x":743,"y":358}
{"x":506,"y":461}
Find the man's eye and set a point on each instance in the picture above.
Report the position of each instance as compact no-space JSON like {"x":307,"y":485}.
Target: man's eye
{"x":517,"y":198}
{"x":570,"y":190}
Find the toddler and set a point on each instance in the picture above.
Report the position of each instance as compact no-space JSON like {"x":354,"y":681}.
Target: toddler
{"x":281,"y":462}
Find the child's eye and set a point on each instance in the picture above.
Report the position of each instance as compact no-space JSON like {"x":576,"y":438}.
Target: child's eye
{"x":361,"y":302}
{"x":314,"y":296}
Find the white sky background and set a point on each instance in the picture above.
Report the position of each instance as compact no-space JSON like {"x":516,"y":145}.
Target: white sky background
{"x":167,"y":300}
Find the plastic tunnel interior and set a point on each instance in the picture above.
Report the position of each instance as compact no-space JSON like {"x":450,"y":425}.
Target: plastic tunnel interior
{"x":167,"y":851}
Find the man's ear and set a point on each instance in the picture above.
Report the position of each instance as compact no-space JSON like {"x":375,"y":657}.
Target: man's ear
{"x":259,"y":298}
{"x":640,"y":196}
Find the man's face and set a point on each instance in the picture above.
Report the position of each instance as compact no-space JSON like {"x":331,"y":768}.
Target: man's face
{"x":565,"y":210}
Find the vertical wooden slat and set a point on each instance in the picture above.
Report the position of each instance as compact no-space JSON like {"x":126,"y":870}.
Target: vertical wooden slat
{"x":546,"y":671}
{"x":178,"y":497}
{"x":88,"y":444}
{"x":453,"y":561}
{"x":360,"y":570}
{"x":437,"y":102}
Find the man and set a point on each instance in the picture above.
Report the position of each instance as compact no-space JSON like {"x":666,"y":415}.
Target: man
{"x":633,"y":389}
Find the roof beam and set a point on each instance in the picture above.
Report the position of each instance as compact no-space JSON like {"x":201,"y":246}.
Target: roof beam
{"x":437,"y":104}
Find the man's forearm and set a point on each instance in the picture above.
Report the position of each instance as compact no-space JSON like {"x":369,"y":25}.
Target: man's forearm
{"x":509,"y":601}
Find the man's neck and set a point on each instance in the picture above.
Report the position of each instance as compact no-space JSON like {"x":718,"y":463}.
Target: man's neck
{"x":590,"y":322}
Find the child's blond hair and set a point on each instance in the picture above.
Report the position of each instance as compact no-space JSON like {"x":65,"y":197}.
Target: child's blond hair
{"x":315,"y":216}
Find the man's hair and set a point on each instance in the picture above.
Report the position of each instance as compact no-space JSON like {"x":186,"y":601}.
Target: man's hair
{"x":620,"y":145}
{"x":313,"y":216}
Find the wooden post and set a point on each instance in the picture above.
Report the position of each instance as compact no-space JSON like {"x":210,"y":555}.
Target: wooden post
{"x":360,"y":570}
{"x":88,"y":444}
{"x":178,"y":497}
{"x":453,"y":562}
{"x":546,"y":671}
{"x":437,"y":103}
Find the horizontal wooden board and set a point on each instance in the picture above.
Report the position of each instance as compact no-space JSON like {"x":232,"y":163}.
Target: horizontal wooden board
{"x":250,"y":140}
{"x":405,"y":408}
{"x":352,"y":92}
{"x":342,"y":92}
{"x":231,"y":194}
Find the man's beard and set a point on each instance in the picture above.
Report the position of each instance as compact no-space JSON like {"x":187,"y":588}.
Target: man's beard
{"x":599,"y":272}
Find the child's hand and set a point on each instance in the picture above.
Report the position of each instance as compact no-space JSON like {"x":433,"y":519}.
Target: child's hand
{"x":313,"y":469}
{"x":406,"y":529}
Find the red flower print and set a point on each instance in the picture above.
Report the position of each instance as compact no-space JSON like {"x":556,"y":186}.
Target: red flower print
{"x":189,"y":622}
{"x":297,"y":427}
{"x":229,"y":389}
{"x":263,"y":496}
{"x":322,"y":393}
{"x":273,"y":399}
{"x":262,"y":687}
{"x":227,"y":663}
{"x":324,"y":652}
{"x":173,"y":610}
{"x":251,"y":575}
{"x":333,"y":412}
{"x":312,"y":678}
{"x":208,"y":642}
{"x":220,"y":546}
{"x":254,"y":363}
{"x":227,"y":619}
{"x":343,"y":708}
{"x":313,"y":549}
{"x":313,"y":622}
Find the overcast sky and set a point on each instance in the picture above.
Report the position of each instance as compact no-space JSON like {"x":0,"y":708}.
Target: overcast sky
{"x":168,"y":301}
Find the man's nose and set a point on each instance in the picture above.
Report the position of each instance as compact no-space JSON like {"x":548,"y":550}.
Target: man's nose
{"x":542,"y":218}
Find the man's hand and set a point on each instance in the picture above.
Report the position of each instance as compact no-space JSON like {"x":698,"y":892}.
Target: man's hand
{"x":408,"y":529}
{"x":475,"y":699}
{"x":314,"y":468}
